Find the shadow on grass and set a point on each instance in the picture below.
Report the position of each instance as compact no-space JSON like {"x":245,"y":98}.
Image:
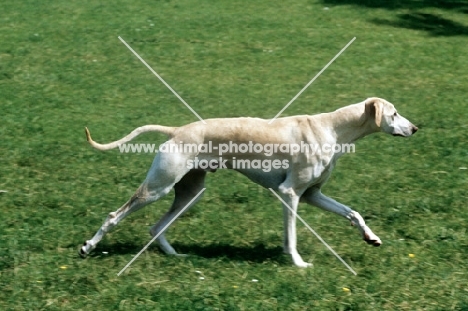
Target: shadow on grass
{"x":433,"y":24}
{"x":256,"y":253}
{"x":118,"y":248}
{"x":457,"y":5}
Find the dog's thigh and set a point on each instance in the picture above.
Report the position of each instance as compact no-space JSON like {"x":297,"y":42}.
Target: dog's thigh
{"x":167,"y":170}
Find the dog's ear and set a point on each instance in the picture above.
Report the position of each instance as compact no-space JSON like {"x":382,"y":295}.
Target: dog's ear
{"x":374,"y":109}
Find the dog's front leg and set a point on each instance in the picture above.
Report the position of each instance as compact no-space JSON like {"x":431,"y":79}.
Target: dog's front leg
{"x":291,"y":199}
{"x":315,"y":197}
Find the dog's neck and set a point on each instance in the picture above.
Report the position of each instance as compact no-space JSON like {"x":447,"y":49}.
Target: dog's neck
{"x":353,"y":117}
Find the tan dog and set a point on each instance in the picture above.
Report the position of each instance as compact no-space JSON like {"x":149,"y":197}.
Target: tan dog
{"x":297,"y":175}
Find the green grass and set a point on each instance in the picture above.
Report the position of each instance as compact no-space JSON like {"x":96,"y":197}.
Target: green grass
{"x":62,"y":68}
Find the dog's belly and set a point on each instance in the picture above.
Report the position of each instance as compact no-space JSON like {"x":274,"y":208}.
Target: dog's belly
{"x":271,"y":179}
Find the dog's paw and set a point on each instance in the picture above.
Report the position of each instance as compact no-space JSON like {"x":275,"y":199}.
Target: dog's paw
{"x":82,"y":252}
{"x":298,"y":262}
{"x":372,"y":239}
{"x":303,"y":264}
{"x":85,"y":249}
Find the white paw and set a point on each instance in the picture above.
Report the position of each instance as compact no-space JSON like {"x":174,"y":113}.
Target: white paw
{"x":82,"y":252}
{"x":298,"y":262}
{"x":372,"y":239}
{"x":303,"y":264}
{"x":85,"y":249}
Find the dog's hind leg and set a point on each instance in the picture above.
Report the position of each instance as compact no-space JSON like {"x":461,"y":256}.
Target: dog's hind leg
{"x":165,"y":172}
{"x":185,"y":190}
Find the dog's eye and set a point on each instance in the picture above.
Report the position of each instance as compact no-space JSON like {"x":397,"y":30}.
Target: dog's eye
{"x":395,"y":114}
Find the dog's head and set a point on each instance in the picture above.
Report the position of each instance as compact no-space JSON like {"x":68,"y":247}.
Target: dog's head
{"x":387,"y":119}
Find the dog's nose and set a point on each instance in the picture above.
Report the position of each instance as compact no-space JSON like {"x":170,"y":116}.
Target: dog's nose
{"x":415,"y":129}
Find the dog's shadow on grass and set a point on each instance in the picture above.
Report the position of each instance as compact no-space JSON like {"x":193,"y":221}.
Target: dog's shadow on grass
{"x":117,"y":248}
{"x":255,"y":253}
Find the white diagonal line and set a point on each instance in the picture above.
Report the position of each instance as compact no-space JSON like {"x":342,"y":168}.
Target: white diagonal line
{"x":162,"y":80}
{"x":313,"y":231}
{"x":311,"y":81}
{"x":160,"y":232}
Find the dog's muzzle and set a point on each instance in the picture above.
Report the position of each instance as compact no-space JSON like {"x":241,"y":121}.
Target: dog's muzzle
{"x":414,"y":129}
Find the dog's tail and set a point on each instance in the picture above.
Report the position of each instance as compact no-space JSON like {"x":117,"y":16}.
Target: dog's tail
{"x":140,"y":130}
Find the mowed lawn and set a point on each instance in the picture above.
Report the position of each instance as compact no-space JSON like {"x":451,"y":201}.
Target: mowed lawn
{"x":62,"y":67}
